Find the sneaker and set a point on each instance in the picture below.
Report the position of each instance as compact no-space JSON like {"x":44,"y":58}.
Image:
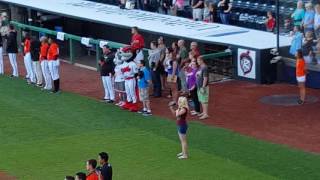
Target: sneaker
{"x":199,"y":115}
{"x":147,"y":114}
{"x":183,"y":157}
{"x":179,"y":154}
{"x":205,"y":116}
{"x":109,"y":101}
{"x":194,"y":113}
{"x":300,"y":102}
{"x":142,"y":111}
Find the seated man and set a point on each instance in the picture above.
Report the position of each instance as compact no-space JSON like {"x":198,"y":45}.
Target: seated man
{"x":91,"y":168}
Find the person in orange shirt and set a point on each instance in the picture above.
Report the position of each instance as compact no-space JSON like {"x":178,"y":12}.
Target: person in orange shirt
{"x":27,"y":59}
{"x":44,"y":63}
{"x":301,"y":76}
{"x":91,"y":168}
{"x":54,"y":63}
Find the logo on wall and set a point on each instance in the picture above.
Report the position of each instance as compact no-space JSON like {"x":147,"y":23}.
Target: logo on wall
{"x":247,"y":63}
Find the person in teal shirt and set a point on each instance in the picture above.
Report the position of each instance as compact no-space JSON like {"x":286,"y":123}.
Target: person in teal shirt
{"x":298,"y":14}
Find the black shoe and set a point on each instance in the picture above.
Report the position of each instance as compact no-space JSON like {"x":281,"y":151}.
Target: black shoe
{"x":147,"y":114}
{"x":300,"y":102}
{"x":141,"y":111}
{"x":109,"y":101}
{"x":11,"y":76}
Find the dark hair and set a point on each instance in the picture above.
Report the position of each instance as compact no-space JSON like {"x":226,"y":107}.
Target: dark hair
{"x":155,"y":43}
{"x":93,"y":163}
{"x":69,"y":178}
{"x":143,"y":62}
{"x":81,"y":176}
{"x":11,"y":27}
{"x":135,"y":28}
{"x":299,"y":54}
{"x":104,"y":155}
{"x":170,"y":49}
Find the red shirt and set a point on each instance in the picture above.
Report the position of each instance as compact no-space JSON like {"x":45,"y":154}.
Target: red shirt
{"x":26,"y":48}
{"x":92,"y":176}
{"x":182,"y":119}
{"x":137,"y":42}
{"x":300,"y":68}
{"x":271,"y":23}
{"x":53,"y":52}
{"x":44,"y":51}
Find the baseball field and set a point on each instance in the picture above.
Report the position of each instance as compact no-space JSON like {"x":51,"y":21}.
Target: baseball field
{"x":48,"y":136}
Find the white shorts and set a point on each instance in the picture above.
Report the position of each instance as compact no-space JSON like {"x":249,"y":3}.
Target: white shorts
{"x":301,"y":79}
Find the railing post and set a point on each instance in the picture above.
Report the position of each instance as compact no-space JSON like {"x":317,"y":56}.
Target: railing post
{"x":71,"y":53}
{"x":97,"y":55}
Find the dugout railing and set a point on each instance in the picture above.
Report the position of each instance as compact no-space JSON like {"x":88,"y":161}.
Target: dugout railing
{"x":214,"y":59}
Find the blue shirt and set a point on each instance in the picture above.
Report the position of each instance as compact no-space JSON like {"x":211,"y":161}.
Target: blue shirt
{"x":296,"y":43}
{"x":143,"y":81}
{"x":298,"y":16}
{"x":309,"y":19}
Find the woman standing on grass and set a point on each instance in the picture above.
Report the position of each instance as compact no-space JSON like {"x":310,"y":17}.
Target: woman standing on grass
{"x":301,"y":76}
{"x":181,"y":115}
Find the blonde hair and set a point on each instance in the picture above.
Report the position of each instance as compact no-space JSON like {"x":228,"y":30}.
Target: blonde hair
{"x":308,"y":5}
{"x":183,"y":102}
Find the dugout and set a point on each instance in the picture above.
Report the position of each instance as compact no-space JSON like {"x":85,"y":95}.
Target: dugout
{"x":250,"y":60}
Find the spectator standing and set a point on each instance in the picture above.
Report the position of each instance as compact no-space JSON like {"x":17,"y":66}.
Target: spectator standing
{"x":44,"y":63}
{"x":91,"y":168}
{"x":182,"y":125}
{"x":197,"y":9}
{"x":144,"y":80}
{"x":154,"y":63}
{"x":212,"y":12}
{"x":173,"y":71}
{"x":162,"y":48}
{"x":12,"y":50}
{"x":298,"y":14}
{"x":36,"y":67}
{"x":105,"y":172}
{"x":1,"y":57}
{"x":308,"y":19}
{"x":317,"y":21}
{"x":225,"y":7}
{"x":301,"y":76}
{"x":137,"y":41}
{"x":182,"y":57}
{"x":270,"y":22}
{"x":297,"y":38}
{"x":206,"y":11}
{"x":177,"y":7}
{"x":107,"y":72}
{"x":192,"y":83}
{"x":151,"y":5}
{"x":80,"y":176}
{"x":203,"y":87}
{"x":165,"y":6}
{"x":54,"y":63}
{"x":195,"y":49}
{"x":119,"y":85}
{"x":307,"y":47}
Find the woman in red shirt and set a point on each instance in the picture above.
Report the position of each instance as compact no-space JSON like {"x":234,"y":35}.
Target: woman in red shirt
{"x":301,"y":76}
{"x":271,"y":22}
{"x":182,"y":125}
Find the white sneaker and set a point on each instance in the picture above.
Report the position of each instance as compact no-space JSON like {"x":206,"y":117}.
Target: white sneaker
{"x":183,"y":157}
{"x":179,"y":154}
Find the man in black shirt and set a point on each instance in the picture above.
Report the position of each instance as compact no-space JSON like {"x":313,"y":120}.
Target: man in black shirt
{"x":1,"y":58}
{"x":35,"y":51}
{"x":106,"y":72}
{"x":105,"y":172}
{"x":197,"y":9}
{"x":12,"y":50}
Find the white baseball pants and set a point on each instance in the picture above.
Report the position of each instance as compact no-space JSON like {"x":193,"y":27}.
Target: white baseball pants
{"x":13,"y":62}
{"x":130,"y":86}
{"x":108,"y":87}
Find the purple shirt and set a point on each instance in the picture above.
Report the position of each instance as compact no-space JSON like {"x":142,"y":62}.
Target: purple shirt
{"x":191,"y":77}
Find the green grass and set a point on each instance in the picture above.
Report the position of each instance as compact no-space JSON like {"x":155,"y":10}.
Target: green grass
{"x":48,"y":136}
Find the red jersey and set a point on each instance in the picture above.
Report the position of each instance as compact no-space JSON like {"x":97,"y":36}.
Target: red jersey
{"x":53,"y":52}
{"x":137,"y":42}
{"x":271,"y":23}
{"x":44,"y":51}
{"x":300,"y":68}
{"x":26,"y":48}
{"x":92,"y":176}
